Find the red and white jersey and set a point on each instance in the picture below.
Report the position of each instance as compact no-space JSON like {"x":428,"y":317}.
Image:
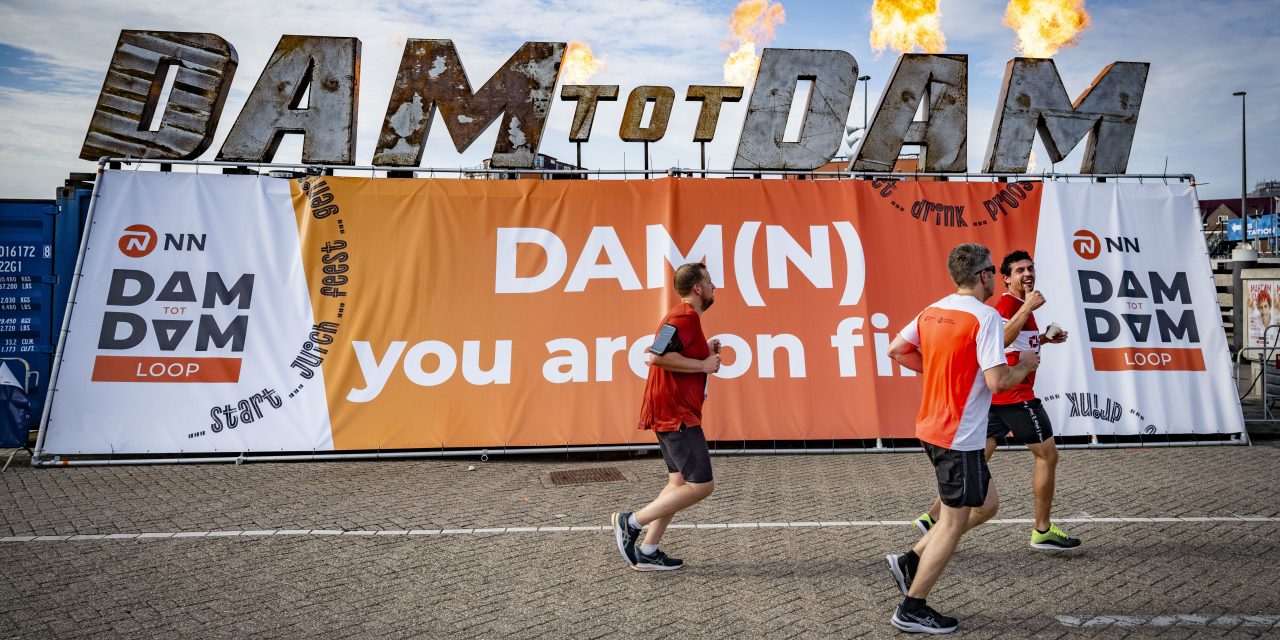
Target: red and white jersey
{"x":1028,"y":340}
{"x":959,"y":337}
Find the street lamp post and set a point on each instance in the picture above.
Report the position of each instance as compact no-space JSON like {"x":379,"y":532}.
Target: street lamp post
{"x":865,"y":101}
{"x":1244,"y":256}
{"x":1244,"y":167}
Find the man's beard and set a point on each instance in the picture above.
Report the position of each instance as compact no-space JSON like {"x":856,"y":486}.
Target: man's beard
{"x":707,"y":302}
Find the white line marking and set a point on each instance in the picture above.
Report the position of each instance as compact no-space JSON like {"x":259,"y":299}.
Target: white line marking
{"x":1173,"y":619}
{"x":83,"y":537}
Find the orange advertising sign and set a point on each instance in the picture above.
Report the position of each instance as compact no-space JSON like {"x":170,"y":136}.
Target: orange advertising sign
{"x":516,"y":313}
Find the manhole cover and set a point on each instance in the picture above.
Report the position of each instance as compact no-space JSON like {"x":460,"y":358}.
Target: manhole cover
{"x":586,"y":476}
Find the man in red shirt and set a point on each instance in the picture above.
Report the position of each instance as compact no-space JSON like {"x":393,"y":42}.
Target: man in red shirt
{"x":1018,"y":410}
{"x":958,"y":344}
{"x":680,"y":361}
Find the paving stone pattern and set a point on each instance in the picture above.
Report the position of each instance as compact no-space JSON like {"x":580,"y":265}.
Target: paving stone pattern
{"x":774,"y":582}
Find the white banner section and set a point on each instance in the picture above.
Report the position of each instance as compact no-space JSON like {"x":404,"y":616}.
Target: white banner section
{"x":1125,"y":271}
{"x":191,"y":305}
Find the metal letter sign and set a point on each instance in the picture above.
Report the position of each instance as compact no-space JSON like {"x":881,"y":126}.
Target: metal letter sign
{"x":131,"y":93}
{"x":431,"y":74}
{"x":586,"y":95}
{"x":662,"y":99}
{"x":1033,"y":99}
{"x":324,"y":71}
{"x":833,"y":74}
{"x":942,"y":83}
{"x":310,"y":86}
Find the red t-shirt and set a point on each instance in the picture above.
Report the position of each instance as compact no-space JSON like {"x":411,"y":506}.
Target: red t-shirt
{"x":672,"y":399}
{"x":1028,"y":340}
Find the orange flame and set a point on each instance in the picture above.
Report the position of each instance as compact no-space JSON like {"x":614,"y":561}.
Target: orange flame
{"x":907,"y":25}
{"x":579,"y":65}
{"x":753,"y":22}
{"x":1045,"y":26}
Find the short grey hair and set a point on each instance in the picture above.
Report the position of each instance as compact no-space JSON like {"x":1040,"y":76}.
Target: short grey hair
{"x":965,"y":261}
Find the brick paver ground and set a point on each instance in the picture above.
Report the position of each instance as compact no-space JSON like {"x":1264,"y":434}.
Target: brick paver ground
{"x":777,"y":582}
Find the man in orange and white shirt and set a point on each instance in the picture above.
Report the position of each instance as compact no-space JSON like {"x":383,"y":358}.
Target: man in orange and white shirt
{"x":958,"y":344}
{"x":1017,"y":410}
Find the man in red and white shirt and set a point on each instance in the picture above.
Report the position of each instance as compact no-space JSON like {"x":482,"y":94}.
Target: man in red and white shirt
{"x":958,"y":344}
{"x":681,"y":359}
{"x":1017,"y":410}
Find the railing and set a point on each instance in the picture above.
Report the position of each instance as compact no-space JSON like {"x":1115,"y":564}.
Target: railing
{"x":1268,"y":374}
{"x":675,"y":172}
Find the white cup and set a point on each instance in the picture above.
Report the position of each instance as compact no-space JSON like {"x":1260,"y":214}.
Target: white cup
{"x":1053,"y":330}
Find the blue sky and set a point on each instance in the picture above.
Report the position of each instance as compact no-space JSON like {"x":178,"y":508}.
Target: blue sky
{"x":54,"y":54}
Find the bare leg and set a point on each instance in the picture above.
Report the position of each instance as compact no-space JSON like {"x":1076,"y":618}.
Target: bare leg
{"x":942,"y":538}
{"x":1042,"y":482}
{"x":977,"y":516}
{"x":653,"y":534}
{"x":935,"y":510}
{"x":936,"y":548}
{"x":670,"y":501}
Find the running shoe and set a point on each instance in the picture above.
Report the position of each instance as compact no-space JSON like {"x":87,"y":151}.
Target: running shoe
{"x":658,"y":561}
{"x":923,"y":620}
{"x":924,"y":523}
{"x":1053,"y":540}
{"x":626,"y":536}
{"x":902,"y":572}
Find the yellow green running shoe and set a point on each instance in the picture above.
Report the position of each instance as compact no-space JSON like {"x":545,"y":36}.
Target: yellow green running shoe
{"x":924,"y":523}
{"x":1053,"y":540}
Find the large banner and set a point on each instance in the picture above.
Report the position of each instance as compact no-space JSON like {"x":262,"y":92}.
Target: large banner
{"x":241,"y":313}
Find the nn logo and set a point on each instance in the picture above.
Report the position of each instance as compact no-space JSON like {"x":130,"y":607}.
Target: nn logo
{"x":138,"y":240}
{"x":1088,"y":246}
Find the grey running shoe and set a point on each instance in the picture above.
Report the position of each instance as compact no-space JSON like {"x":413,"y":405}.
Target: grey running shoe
{"x":902,"y":573}
{"x":659,"y":561}
{"x":923,"y":620}
{"x":626,"y":537}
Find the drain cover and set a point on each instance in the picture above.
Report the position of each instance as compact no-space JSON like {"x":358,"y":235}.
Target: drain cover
{"x":586,"y":476}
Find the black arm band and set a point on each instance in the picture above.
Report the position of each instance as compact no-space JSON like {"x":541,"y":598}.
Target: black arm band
{"x":667,"y":341}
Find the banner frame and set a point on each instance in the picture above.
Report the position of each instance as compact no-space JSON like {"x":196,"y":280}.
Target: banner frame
{"x":38,"y":458}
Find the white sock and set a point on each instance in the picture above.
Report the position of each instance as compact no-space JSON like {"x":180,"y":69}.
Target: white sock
{"x":632,"y":522}
{"x":648,"y":549}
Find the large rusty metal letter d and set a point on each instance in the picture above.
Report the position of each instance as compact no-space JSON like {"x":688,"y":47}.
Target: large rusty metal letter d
{"x":121,"y":124}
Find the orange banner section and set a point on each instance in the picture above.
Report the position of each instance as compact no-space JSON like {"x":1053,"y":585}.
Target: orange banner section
{"x":488,"y":313}
{"x":1148,"y":359}
{"x":151,"y":369}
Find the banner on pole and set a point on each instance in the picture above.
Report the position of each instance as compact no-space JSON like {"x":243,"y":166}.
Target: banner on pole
{"x":223,"y":313}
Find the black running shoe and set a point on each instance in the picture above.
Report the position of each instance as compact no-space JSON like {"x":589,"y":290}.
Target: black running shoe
{"x":902,"y":572}
{"x":626,"y":536}
{"x":923,"y":620}
{"x":659,"y":561}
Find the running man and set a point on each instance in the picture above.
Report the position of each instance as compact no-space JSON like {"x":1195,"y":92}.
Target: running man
{"x":958,"y":344}
{"x":680,"y":361}
{"x":1018,"y":410}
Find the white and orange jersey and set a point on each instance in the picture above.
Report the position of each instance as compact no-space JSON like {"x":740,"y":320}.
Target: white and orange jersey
{"x":1028,"y":340}
{"x":959,"y":337}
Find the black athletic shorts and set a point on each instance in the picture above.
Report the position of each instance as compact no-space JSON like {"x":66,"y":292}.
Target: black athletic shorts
{"x":686,"y":453}
{"x":963,"y":476}
{"x":1027,"y":420}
